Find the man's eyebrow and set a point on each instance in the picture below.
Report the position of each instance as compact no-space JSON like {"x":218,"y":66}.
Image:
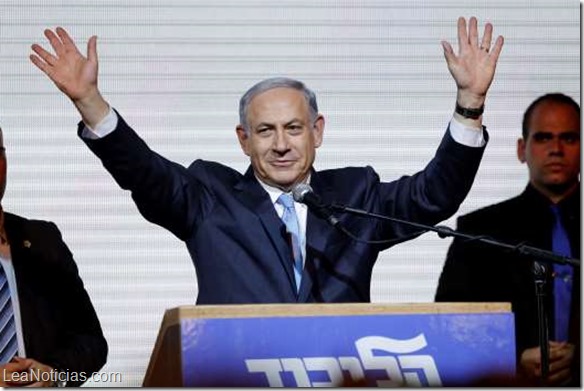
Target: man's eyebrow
{"x":543,"y":131}
{"x":268,"y":124}
{"x":263,"y":124}
{"x":294,"y":120}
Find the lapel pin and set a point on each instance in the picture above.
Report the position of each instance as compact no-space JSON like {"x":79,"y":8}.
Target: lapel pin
{"x":26,"y":243}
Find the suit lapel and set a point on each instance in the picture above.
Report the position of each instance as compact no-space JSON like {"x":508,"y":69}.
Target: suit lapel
{"x":21,"y":249}
{"x":251,"y":194}
{"x":20,"y":244}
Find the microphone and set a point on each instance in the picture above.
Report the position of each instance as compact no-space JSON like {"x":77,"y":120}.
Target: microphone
{"x":304,"y":194}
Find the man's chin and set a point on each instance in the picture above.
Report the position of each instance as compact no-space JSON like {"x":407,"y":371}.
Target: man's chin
{"x":284,"y":184}
{"x":560,"y":185}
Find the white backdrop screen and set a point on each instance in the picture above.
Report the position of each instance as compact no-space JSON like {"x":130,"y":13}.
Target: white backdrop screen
{"x":176,"y":69}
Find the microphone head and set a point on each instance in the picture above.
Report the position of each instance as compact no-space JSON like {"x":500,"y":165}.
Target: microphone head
{"x":300,"y":191}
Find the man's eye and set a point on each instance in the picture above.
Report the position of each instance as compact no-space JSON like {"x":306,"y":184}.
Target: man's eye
{"x":541,"y":137}
{"x":570,"y":138}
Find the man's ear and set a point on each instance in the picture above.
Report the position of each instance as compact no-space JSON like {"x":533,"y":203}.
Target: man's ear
{"x":243,"y":138}
{"x":521,"y":145}
{"x":318,"y":129}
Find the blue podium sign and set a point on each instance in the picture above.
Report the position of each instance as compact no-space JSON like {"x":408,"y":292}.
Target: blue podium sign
{"x":428,"y":349}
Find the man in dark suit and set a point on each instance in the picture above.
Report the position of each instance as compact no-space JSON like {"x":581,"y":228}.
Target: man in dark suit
{"x":48,"y":330}
{"x":250,"y":243}
{"x":551,"y":148}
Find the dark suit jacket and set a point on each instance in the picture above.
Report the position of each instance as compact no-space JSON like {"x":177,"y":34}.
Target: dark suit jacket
{"x":237,"y":241}
{"x":478,"y":273}
{"x":59,"y":323}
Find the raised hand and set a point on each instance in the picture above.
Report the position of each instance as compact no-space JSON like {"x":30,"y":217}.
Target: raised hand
{"x":473,"y":68}
{"x":73,"y":73}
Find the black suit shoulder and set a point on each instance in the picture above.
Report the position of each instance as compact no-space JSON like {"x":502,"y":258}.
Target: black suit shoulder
{"x":39,"y":242}
{"x":33,"y":231}
{"x":32,"y":226}
{"x":479,"y":272}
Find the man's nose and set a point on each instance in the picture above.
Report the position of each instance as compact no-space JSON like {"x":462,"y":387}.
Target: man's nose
{"x":281,"y":141}
{"x":556,"y":146}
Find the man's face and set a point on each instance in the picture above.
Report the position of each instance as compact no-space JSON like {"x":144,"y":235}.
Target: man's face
{"x":552,"y":148}
{"x":282,"y":139}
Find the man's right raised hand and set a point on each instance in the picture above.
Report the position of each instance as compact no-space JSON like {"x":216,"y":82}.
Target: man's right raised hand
{"x":73,"y":73}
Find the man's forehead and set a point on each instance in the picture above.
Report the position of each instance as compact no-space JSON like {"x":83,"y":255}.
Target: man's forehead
{"x":277,"y":100}
{"x":281,"y":92}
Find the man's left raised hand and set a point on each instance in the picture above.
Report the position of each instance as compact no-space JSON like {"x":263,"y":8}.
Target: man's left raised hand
{"x":473,"y":68}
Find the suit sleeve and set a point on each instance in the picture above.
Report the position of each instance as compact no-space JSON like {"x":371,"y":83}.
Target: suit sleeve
{"x":435,"y":193}
{"x":165,"y":192}
{"x":81,"y":347}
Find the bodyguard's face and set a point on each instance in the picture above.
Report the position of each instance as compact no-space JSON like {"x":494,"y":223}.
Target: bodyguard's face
{"x":552,"y":148}
{"x":282,"y":138}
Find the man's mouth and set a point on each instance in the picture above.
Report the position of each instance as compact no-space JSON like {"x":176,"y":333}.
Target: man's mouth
{"x":282,"y":163}
{"x":555,"y":165}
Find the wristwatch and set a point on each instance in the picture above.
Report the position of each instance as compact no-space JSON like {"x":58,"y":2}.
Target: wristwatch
{"x":466,"y":112}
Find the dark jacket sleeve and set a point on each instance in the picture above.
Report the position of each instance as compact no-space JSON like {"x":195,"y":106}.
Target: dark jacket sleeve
{"x":166,"y":193}
{"x":435,"y":193}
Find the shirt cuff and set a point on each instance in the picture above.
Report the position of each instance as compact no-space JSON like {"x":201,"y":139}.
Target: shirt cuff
{"x":107,"y":125}
{"x":471,"y":137}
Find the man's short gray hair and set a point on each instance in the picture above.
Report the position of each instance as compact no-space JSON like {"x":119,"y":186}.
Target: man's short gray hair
{"x":269,"y":84}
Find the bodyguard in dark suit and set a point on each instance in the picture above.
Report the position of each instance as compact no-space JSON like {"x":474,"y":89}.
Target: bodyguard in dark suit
{"x":47,"y":318}
{"x":250,"y":243}
{"x":551,"y":148}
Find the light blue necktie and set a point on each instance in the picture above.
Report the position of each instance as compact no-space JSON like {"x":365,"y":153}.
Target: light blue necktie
{"x":8,"y":341}
{"x":563,"y":276}
{"x":293,"y":228}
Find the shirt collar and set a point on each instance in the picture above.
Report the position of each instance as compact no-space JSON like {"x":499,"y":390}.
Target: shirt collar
{"x":275,"y":192}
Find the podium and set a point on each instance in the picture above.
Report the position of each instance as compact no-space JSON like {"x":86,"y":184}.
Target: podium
{"x":316,"y":345}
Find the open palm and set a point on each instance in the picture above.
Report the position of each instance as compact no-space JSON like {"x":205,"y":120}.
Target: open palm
{"x":73,"y":73}
{"x":473,"y":68}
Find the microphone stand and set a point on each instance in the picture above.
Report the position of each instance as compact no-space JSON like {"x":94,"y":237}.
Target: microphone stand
{"x":539,"y":274}
{"x":539,"y":269}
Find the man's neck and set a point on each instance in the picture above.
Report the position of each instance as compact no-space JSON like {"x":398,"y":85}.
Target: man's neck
{"x":3,"y":236}
{"x":556,"y":194}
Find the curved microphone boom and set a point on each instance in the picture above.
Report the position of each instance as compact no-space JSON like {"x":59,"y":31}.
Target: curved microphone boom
{"x":304,"y":194}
